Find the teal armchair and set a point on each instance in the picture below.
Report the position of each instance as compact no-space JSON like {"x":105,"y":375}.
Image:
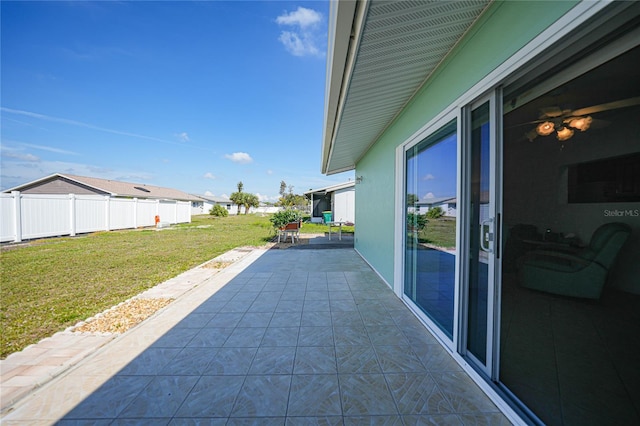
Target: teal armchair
{"x":577,"y":274}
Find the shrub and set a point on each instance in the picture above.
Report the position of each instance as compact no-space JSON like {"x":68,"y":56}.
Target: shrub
{"x":435,"y":213}
{"x":281,"y":218}
{"x":219,"y":211}
{"x":416,"y":221}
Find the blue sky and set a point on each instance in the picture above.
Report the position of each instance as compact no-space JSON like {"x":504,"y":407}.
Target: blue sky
{"x":190,"y":95}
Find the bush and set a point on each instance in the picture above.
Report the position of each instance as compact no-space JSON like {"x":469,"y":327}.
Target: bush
{"x":281,"y":218}
{"x":219,"y":211}
{"x":416,"y":221}
{"x":435,"y":213}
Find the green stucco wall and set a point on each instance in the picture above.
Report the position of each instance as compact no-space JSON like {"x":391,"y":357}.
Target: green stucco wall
{"x":504,"y":29}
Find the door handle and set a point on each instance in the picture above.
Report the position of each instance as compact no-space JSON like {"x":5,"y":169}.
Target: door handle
{"x":486,"y":237}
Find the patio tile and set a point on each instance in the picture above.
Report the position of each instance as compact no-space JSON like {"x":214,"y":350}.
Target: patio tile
{"x":226,"y":319}
{"x":195,"y":320}
{"x":315,"y":360}
{"x":150,"y":362}
{"x":356,"y":359}
{"x":190,"y":362}
{"x":463,"y":394}
{"x":398,"y":359}
{"x":289,"y":306}
{"x":316,"y":305}
{"x":176,"y":338}
{"x":198,"y":421}
{"x":273,"y":360}
{"x":352,"y":335}
{"x":435,"y":358}
{"x":110,"y":399}
{"x":373,"y":421}
{"x":386,"y":335}
{"x":347,"y":305}
{"x":286,"y":319}
{"x":434,"y":420}
{"x":346,"y":318}
{"x":263,"y":396}
{"x":245,"y":337}
{"x":213,"y":337}
{"x":316,"y":318}
{"x":256,"y":421}
{"x":231,"y":361}
{"x":161,"y":397}
{"x":315,"y":336}
{"x":236,"y":306}
{"x":212,"y":396}
{"x":314,"y":395}
{"x":416,"y":393}
{"x":377,"y":399}
{"x":315,"y":421}
{"x":255,"y":319}
{"x":280,"y":336}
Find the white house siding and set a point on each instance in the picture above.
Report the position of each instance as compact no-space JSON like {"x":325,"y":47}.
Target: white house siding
{"x":344,"y":205}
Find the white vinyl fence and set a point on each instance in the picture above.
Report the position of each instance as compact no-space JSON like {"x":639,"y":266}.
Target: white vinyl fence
{"x":28,"y":216}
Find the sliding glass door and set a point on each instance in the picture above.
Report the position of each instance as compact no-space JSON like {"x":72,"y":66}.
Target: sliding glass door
{"x":431,"y":176}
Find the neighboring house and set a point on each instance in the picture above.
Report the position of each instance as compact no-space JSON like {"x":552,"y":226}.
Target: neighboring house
{"x":206,"y":203}
{"x":528,"y":113}
{"x":447,"y":204}
{"x":339,"y":199}
{"x":64,"y":184}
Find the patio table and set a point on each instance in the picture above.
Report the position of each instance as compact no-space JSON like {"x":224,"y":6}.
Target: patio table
{"x":339,"y":226}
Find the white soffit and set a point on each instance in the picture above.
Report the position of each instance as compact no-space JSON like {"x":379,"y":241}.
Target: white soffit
{"x":401,"y":44}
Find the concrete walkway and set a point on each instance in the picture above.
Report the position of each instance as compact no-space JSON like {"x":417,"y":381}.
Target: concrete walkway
{"x":278,"y":337}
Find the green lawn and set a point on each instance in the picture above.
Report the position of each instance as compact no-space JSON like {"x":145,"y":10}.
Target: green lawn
{"x":51,"y":284}
{"x":440,"y":233}
{"x":320,"y":228}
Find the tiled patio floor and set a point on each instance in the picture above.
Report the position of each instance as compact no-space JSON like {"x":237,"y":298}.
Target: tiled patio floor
{"x":291,"y":337}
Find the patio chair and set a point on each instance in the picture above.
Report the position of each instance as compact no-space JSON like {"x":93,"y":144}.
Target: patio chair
{"x":579,"y":274}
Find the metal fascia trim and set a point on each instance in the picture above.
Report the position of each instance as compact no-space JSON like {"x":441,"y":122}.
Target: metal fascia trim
{"x":350,"y":15}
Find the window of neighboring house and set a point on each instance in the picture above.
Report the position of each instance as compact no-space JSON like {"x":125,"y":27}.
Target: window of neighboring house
{"x":430,"y":250}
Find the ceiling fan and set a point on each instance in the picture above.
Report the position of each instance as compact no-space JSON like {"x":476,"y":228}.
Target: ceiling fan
{"x":564,"y":123}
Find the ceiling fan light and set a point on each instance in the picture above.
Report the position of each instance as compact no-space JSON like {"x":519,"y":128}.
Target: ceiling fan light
{"x":581,"y":123}
{"x":545,"y":128}
{"x":564,"y":133}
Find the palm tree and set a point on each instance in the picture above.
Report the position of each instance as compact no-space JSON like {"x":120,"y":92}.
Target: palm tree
{"x":238,"y":196}
{"x":250,"y":200}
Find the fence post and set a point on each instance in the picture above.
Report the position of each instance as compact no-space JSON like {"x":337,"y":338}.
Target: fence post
{"x":72,"y":211}
{"x":135,"y":213}
{"x":175,"y":212}
{"x":107,"y":213}
{"x":17,"y":215}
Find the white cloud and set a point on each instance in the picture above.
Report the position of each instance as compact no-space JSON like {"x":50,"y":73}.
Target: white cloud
{"x":264,"y":198}
{"x":302,"y":17}
{"x":183,"y":137}
{"x":225,"y":196}
{"x":239,"y":157}
{"x":298,"y":44}
{"x":209,"y":175}
{"x":304,"y":34}
{"x":429,"y":176}
{"x":53,"y":119}
{"x":269,"y":172}
{"x":208,"y":193}
{"x":428,"y":195}
{"x":19,"y":156}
